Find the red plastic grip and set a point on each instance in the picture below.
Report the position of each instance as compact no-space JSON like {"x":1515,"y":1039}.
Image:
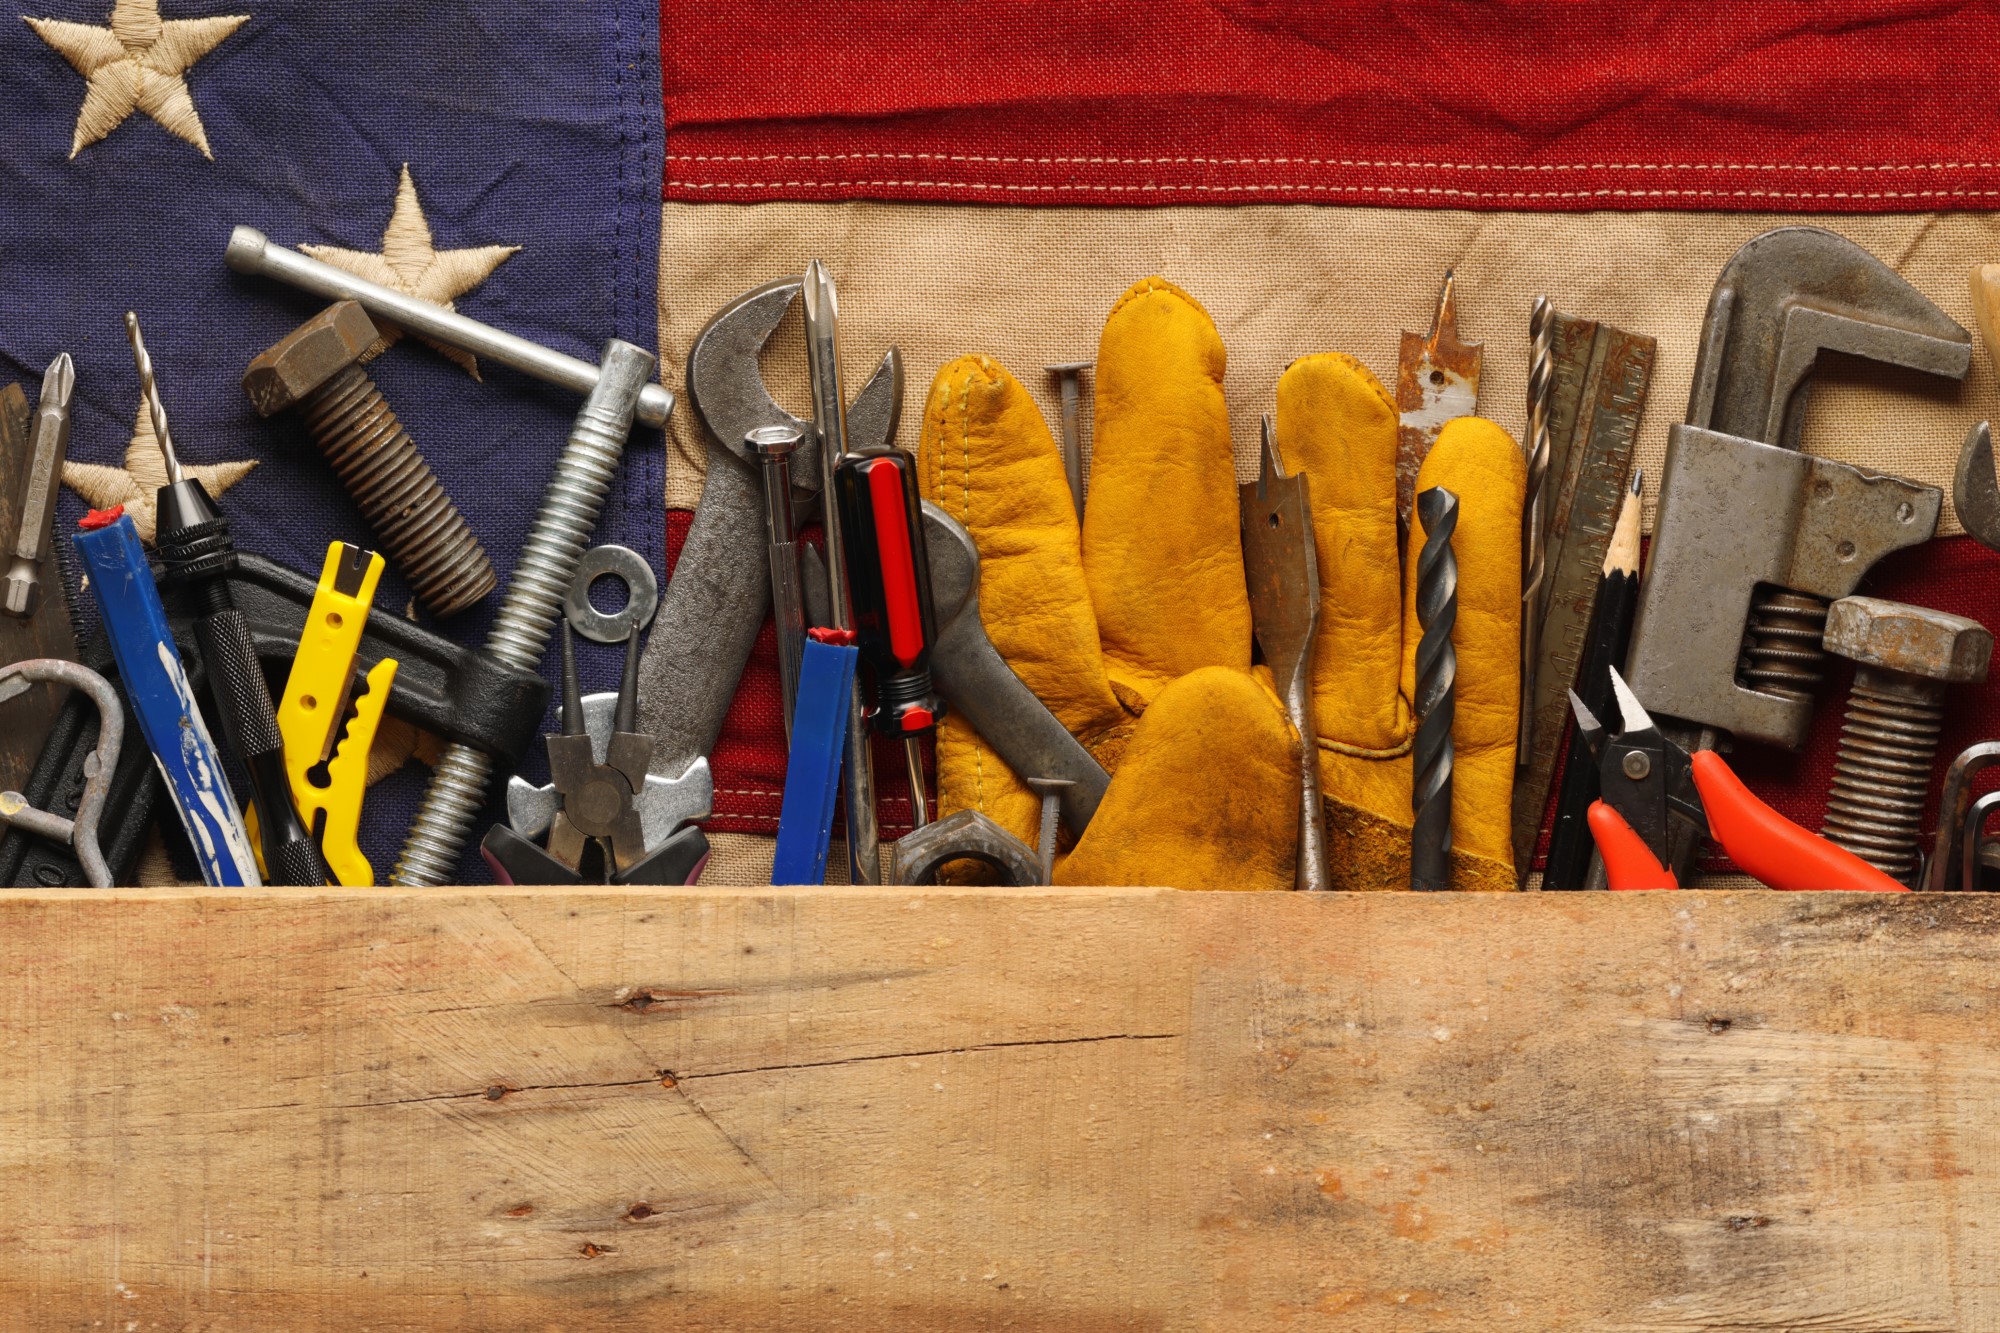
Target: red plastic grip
{"x":899,"y":571}
{"x":1770,"y":846}
{"x":1628,"y":862}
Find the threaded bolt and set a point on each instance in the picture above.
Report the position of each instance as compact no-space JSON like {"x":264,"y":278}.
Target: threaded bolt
{"x":317,"y":368}
{"x":1905,"y":657}
{"x":1887,"y":746}
{"x":532,"y":602}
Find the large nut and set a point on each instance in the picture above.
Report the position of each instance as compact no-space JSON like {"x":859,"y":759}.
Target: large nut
{"x":1915,"y":640}
{"x":309,"y":356}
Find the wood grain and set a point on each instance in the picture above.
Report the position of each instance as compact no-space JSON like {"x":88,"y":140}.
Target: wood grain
{"x":1037,"y":1110}
{"x":25,"y":722}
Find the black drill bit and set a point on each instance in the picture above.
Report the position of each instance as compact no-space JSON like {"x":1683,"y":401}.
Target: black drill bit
{"x":1437,"y":679}
{"x":197,"y":549}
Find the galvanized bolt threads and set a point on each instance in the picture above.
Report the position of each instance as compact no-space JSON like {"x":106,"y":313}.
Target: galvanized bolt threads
{"x":1887,"y":746}
{"x":421,"y":530}
{"x":1781,"y":647}
{"x":1437,"y":679}
{"x":533,"y":601}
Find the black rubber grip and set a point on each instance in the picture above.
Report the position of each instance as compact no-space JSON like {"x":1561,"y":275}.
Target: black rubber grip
{"x":250,"y":724}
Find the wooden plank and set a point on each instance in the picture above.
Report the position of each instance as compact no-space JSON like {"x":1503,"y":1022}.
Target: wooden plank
{"x":1041,"y":1110}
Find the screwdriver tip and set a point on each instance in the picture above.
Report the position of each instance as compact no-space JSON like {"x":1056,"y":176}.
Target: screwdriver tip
{"x":818,"y":293}
{"x":58,"y":381}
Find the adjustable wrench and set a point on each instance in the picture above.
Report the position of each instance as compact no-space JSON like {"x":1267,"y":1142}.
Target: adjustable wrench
{"x":1755,"y":538}
{"x":721,"y":588}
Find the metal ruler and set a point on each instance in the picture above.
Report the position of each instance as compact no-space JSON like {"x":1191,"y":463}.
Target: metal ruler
{"x":1601,"y":377}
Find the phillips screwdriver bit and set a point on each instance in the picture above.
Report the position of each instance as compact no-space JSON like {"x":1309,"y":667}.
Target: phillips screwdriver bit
{"x":38,"y":489}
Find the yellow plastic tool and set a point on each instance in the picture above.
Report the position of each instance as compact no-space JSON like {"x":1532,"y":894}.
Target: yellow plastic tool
{"x":327,"y":761}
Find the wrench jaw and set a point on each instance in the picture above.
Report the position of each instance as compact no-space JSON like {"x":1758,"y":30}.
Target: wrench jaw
{"x":1975,"y":493}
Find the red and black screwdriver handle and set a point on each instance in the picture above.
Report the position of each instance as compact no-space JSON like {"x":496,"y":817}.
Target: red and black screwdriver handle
{"x":1770,"y":847}
{"x":889,"y":587}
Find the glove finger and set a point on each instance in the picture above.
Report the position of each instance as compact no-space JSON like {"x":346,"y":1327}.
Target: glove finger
{"x":1207,"y":796}
{"x":987,"y":458}
{"x":1337,"y":424}
{"x":1161,"y":546}
{"x":1483,"y":466}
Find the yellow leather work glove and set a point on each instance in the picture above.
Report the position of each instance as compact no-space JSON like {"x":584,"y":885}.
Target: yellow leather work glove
{"x":1135,"y":632}
{"x":1337,"y":424}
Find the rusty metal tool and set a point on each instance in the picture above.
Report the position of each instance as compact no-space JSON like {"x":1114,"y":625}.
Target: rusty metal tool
{"x":1597,"y":396}
{"x":966,"y":835}
{"x":250,"y":251}
{"x":1281,"y":566}
{"x":1905,"y":657}
{"x":317,"y":369}
{"x":716,"y":601}
{"x":1437,"y":381}
{"x":35,"y":523}
{"x":983,"y":690}
{"x":1974,"y":492}
{"x":78,"y":832}
{"x":1754,"y":539}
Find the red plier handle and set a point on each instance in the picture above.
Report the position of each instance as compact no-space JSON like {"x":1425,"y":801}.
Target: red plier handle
{"x":1773,"y":849}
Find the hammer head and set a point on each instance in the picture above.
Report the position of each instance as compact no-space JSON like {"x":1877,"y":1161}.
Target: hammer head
{"x":307,"y":357}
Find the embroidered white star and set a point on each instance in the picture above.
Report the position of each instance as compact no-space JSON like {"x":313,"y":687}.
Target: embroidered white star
{"x":138,"y":63}
{"x":137,"y":484}
{"x":411,"y":263}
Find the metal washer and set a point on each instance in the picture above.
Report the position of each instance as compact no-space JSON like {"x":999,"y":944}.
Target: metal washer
{"x":642,"y":594}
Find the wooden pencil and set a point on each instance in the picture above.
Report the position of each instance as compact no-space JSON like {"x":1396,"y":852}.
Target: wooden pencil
{"x":1610,"y":633}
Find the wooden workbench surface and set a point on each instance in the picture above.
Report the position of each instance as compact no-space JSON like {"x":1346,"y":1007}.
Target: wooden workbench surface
{"x":1033,"y":1110}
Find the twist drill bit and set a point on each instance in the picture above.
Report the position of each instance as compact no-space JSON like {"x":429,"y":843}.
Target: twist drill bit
{"x":1534,"y":512}
{"x":197,"y":549}
{"x":1437,"y":678}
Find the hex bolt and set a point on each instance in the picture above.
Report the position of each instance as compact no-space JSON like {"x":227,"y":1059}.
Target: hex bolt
{"x":1904,"y":658}
{"x":533,"y":602}
{"x":317,"y":368}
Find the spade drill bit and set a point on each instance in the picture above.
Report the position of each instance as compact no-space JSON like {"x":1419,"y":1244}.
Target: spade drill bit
{"x":196,"y":546}
{"x":1437,"y":678}
{"x":1534,"y":512}
{"x":857,"y":775}
{"x":38,"y":492}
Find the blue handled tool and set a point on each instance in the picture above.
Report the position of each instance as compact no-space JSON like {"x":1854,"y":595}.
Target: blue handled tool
{"x":812,"y":773}
{"x":150,"y":670}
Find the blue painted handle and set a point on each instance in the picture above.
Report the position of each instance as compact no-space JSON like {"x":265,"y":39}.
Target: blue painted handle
{"x":151,"y":674}
{"x":812,"y":772}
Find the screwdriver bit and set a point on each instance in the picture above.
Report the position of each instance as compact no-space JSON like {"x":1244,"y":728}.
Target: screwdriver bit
{"x":38,"y":491}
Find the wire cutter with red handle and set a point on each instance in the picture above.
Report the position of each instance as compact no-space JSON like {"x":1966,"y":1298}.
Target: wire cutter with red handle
{"x":1650,"y":783}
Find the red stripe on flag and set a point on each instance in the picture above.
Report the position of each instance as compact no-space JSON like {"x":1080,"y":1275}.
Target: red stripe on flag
{"x":1843,"y":106}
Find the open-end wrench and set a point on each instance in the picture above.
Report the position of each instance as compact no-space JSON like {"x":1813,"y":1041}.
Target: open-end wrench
{"x":981,"y":688}
{"x":721,"y":588}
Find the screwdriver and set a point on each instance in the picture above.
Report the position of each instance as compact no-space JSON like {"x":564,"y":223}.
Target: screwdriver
{"x":195,"y":544}
{"x":889,"y":587}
